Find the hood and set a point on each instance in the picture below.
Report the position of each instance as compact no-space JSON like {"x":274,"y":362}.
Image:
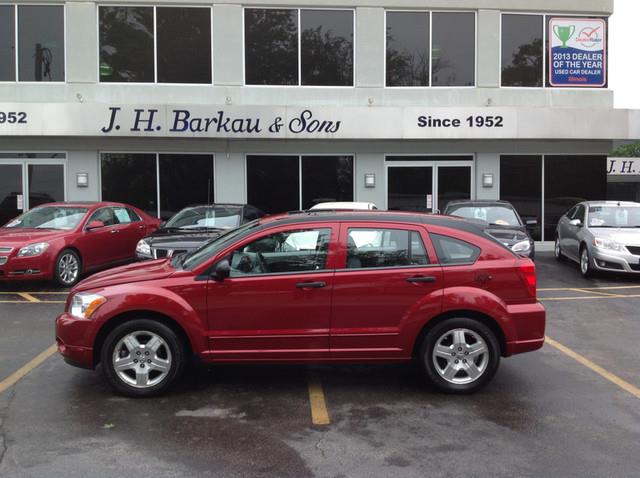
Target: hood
{"x":15,"y":237}
{"x":182,"y":240}
{"x":508,"y":235}
{"x":630,"y":237}
{"x":136,"y":272}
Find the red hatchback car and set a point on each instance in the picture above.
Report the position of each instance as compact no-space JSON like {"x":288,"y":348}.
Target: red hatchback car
{"x":60,"y":241}
{"x":312,"y":287}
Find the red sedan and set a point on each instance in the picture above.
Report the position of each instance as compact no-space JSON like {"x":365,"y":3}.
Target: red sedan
{"x":60,"y":241}
{"x":312,"y":287}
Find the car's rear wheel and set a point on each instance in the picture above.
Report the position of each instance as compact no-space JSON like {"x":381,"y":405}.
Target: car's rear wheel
{"x":460,"y":355}
{"x":557,"y":250}
{"x":67,"y":268}
{"x":142,"y":358}
{"x":586,"y":268}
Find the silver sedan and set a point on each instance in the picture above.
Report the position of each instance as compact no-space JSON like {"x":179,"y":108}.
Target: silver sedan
{"x":601,"y":236}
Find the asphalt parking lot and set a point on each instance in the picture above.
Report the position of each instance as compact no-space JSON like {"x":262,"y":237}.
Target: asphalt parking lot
{"x":571,"y":409}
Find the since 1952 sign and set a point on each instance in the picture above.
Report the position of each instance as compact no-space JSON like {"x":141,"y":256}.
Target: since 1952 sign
{"x":577,"y":52}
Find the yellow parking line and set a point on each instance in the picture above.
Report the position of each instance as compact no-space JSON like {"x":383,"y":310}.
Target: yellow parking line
{"x":37,"y":302}
{"x":591,"y":297}
{"x":623,"y":384}
{"x":613,"y":287}
{"x":12,"y":379}
{"x":27,"y":296}
{"x":319,"y":412}
{"x":587,"y":291}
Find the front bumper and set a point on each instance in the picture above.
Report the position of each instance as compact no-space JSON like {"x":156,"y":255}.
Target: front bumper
{"x":25,"y":268}
{"x":529,"y":321}
{"x":615,"y":261}
{"x":75,"y":338}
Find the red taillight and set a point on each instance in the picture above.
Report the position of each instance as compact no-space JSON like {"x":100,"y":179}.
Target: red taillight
{"x":527,"y":270}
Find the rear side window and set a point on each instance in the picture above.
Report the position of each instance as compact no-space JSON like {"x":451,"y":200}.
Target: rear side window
{"x":367,"y":248}
{"x":454,"y":251}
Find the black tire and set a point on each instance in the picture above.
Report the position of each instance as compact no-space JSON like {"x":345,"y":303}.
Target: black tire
{"x":588,"y":270}
{"x":60,"y":273}
{"x":491,"y":361}
{"x":172,"y":342}
{"x":557,"y":250}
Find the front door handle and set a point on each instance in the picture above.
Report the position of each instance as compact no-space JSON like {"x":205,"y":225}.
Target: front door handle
{"x":114,"y":231}
{"x":310,"y":285}
{"x":420,"y":279}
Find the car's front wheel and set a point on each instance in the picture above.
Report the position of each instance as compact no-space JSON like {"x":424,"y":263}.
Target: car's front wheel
{"x":557,"y":251}
{"x":67,"y":268}
{"x":142,"y":358}
{"x":586,"y":269}
{"x":460,"y":355}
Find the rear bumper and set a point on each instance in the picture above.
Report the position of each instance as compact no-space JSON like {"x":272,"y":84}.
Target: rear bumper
{"x":529,"y":321}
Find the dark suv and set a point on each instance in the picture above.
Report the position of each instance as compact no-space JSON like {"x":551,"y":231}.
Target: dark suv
{"x":192,"y":227}
{"x":498,"y":219}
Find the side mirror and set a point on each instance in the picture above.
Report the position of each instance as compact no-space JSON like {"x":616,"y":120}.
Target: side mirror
{"x":531,"y":222}
{"x":575,"y":222}
{"x":222,"y":270}
{"x":94,"y":225}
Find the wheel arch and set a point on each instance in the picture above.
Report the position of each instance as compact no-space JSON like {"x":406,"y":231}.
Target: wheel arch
{"x":69,"y":247}
{"x":140,"y":314}
{"x":485,"y":319}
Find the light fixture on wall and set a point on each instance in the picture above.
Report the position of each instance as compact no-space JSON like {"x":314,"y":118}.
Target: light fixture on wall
{"x":82,"y":180}
{"x":487,"y":180}
{"x":369,"y":180}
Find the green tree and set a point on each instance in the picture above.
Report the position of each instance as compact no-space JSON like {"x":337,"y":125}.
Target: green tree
{"x":627,"y":151}
{"x":526,"y":66}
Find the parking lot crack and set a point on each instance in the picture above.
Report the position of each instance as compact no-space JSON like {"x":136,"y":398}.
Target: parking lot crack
{"x":319,"y":443}
{"x":3,"y":433}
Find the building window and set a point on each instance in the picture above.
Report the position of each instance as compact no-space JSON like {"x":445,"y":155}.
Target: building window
{"x":570,"y":179}
{"x":133,"y":178}
{"x":182,"y":37}
{"x":299,"y":47}
{"x":567,"y":179}
{"x":430,"y":49}
{"x":521,"y":185}
{"x":525,"y":51}
{"x":408,"y":42}
{"x":287,"y":183}
{"x":522,"y":56}
{"x":37,"y":47}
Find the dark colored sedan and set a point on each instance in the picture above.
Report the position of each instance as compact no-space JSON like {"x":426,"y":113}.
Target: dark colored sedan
{"x":312,"y":287}
{"x":60,"y":241}
{"x":500,"y":220}
{"x":192,"y":227}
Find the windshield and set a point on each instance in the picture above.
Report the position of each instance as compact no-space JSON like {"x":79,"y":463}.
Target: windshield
{"x":50,"y":217}
{"x":614,"y":216}
{"x":206,"y":217}
{"x":212,"y":247}
{"x":497,"y":215}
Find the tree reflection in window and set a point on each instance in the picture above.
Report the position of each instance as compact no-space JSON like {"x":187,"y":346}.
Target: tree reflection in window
{"x":271,"y":46}
{"x":407,"y":49}
{"x":522,"y":50}
{"x":126,"y":44}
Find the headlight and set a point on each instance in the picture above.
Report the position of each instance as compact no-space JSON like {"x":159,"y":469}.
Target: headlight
{"x":84,"y":304}
{"x":522,"y":246}
{"x":33,"y":249}
{"x":143,"y":248}
{"x":607,"y":244}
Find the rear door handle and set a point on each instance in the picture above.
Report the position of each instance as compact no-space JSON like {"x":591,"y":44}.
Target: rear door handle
{"x":114,"y":231}
{"x":419,"y":279}
{"x":310,"y":285}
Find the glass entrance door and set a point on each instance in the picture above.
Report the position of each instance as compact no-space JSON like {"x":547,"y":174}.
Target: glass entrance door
{"x":421,"y":184}
{"x":11,"y":194}
{"x":25,"y":184}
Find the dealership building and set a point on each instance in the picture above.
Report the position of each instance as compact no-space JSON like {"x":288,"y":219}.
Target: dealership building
{"x":405,"y":103}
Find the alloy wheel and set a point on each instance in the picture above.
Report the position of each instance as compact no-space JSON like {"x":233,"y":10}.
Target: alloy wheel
{"x":142,"y":359}
{"x":584,"y":262}
{"x":68,"y":268}
{"x":460,"y":356}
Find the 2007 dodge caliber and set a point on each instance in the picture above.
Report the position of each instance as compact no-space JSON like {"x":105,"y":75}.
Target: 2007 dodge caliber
{"x":312,"y":287}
